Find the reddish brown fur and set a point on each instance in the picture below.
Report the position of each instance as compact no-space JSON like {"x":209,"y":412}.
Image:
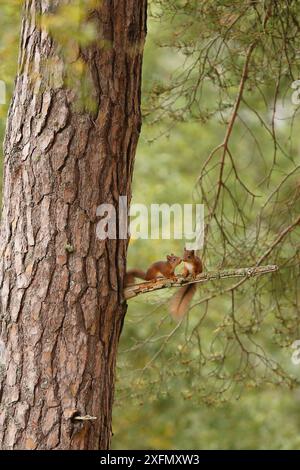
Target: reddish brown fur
{"x":132,"y":274}
{"x":164,"y":268}
{"x":189,"y":258}
{"x":180,"y":301}
{"x":159,"y":268}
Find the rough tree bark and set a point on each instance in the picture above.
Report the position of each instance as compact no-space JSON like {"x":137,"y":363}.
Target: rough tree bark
{"x":61,"y":288}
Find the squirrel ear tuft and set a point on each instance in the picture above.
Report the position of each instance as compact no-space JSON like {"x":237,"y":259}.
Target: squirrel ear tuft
{"x":168,"y":257}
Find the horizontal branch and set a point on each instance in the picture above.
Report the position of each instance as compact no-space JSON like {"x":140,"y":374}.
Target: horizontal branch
{"x":162,"y":283}
{"x":85,"y":418}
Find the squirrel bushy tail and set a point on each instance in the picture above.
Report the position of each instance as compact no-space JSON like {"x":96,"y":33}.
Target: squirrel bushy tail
{"x":132,"y":274}
{"x":180,"y":301}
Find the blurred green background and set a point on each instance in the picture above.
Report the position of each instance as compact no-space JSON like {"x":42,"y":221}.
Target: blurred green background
{"x":192,"y":387}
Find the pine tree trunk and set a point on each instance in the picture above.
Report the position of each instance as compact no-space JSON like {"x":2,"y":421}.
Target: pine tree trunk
{"x":62,"y":307}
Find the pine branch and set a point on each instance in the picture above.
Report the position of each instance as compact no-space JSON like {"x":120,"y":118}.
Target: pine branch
{"x":162,"y":283}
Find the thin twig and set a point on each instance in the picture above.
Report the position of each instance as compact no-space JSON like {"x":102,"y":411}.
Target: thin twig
{"x":278,"y":239}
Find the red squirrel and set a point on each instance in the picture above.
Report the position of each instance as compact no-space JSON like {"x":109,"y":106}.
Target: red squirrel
{"x":160,"y":268}
{"x":180,"y":301}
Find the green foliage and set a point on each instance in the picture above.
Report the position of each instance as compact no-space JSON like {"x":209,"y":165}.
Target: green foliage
{"x":68,"y":25}
{"x":9,"y":18}
{"x":261,"y":420}
{"x":241,"y":339}
{"x":73,"y":30}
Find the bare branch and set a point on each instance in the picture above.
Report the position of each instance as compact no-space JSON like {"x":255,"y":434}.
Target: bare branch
{"x":278,"y":239}
{"x":149,"y":286}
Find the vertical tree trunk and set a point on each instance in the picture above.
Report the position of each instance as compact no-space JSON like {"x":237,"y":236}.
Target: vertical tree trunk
{"x":61,"y":288}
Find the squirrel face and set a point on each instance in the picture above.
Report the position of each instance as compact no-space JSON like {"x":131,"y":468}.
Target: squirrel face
{"x":174,"y":260}
{"x":188,"y":255}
